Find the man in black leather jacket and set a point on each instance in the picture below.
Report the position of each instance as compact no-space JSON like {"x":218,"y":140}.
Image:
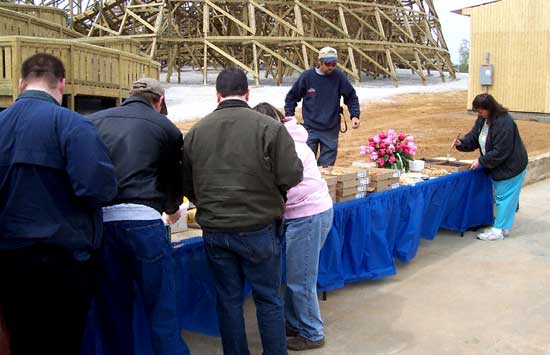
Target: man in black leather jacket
{"x":145,"y":148}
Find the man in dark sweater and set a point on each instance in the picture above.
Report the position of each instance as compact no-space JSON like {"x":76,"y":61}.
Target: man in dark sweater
{"x":320,"y":90}
{"x":237,"y":167}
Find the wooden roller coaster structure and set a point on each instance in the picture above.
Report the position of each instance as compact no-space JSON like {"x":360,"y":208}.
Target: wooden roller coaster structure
{"x":274,"y":37}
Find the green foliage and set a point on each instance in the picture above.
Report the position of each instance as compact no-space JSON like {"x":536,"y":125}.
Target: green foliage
{"x":464,"y":56}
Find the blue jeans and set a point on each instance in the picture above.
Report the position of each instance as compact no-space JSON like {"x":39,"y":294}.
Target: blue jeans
{"x":328,"y":142}
{"x":256,"y":256}
{"x":304,"y":239}
{"x":136,"y":257}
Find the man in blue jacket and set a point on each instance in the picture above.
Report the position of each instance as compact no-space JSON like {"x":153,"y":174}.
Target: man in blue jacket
{"x":55,"y":172}
{"x":320,"y":90}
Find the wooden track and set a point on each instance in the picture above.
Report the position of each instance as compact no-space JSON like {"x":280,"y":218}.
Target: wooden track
{"x":280,"y":36}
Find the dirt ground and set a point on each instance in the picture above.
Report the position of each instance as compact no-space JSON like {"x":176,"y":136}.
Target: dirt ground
{"x":434,"y":119}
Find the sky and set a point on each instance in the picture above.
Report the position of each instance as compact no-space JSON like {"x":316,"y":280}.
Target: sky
{"x":455,"y":27}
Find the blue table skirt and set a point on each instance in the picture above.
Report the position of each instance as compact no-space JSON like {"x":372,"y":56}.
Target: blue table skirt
{"x":366,"y":237}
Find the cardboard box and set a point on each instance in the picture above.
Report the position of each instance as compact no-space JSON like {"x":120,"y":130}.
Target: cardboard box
{"x":331,"y":180}
{"x":383,"y":185}
{"x":350,"y":190}
{"x":351,"y":197}
{"x":449,"y":165}
{"x":363,"y":164}
{"x":352,"y":183}
{"x":344,"y":174}
{"x":454,"y":167}
{"x":380,"y":174}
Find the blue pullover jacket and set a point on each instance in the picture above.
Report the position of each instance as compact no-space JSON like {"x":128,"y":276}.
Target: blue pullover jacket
{"x":321,"y":99}
{"x":54,"y":174}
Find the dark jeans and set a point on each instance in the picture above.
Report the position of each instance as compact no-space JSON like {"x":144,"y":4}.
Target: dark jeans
{"x":255,"y":256}
{"x":328,"y":143}
{"x":45,"y":294}
{"x":136,"y":257}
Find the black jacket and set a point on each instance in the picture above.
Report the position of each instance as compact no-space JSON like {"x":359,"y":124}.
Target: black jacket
{"x":145,"y":148}
{"x":238,"y":165}
{"x":505,"y":155}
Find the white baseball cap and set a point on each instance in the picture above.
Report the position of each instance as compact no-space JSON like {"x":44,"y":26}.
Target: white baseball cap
{"x":328,"y":55}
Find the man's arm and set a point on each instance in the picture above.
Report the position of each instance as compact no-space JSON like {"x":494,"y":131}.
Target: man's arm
{"x":294,"y":96}
{"x":88,"y":165}
{"x":351,"y":101}
{"x":172,"y":176}
{"x":187,"y":169}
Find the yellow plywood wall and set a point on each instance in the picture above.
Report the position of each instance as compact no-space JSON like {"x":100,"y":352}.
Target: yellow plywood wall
{"x":47,"y":13}
{"x":516,"y":33}
{"x":90,"y":70}
{"x":13,"y":23}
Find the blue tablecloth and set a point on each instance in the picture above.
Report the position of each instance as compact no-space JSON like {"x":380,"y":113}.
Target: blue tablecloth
{"x":366,"y":237}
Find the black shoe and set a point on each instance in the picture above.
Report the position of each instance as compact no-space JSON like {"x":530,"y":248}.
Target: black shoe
{"x":291,"y":332}
{"x":300,"y":343}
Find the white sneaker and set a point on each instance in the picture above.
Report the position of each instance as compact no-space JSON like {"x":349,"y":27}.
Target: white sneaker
{"x":484,"y":234}
{"x":493,"y":234}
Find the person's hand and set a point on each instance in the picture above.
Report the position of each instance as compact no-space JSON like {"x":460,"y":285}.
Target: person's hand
{"x":355,"y":122}
{"x":456,"y":143}
{"x":475,"y":165}
{"x":173,"y":218}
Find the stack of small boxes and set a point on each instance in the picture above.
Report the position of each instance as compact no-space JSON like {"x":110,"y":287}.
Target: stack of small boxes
{"x":351,"y":182}
{"x":331,"y":184}
{"x":383,"y":179}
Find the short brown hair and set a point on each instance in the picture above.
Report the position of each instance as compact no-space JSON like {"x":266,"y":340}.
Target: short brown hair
{"x":43,"y":66}
{"x":149,"y":96}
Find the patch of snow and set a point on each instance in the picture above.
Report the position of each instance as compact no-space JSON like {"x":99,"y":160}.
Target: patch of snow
{"x":191,"y":99}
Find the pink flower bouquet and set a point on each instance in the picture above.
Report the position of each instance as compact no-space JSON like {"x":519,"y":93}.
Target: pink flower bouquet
{"x":390,"y":150}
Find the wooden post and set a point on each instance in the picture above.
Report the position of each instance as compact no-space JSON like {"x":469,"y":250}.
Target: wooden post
{"x":205,"y":30}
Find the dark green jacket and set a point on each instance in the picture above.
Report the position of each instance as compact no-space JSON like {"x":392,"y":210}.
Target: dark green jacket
{"x":505,"y":155}
{"x":237,"y":166}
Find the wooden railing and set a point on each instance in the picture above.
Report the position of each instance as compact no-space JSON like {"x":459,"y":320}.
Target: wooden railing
{"x":122,"y":44}
{"x":90,"y":70}
{"x":46,"y":13}
{"x":13,"y":23}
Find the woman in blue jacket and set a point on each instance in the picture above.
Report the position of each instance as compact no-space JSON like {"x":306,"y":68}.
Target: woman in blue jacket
{"x":503,"y":155}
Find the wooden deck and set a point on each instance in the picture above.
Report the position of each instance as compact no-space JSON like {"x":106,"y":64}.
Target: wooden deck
{"x":46,"y":13}
{"x":90,"y":70}
{"x":14,"y":23}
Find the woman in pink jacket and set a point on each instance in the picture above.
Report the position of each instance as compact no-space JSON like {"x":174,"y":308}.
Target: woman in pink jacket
{"x":308,"y":219}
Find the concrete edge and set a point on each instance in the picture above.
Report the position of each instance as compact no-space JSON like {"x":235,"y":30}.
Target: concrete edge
{"x":538,"y":169}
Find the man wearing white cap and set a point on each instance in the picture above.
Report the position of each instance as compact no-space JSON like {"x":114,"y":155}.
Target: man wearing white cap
{"x":320,"y":90}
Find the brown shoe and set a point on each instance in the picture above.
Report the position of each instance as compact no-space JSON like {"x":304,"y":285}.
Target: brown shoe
{"x":291,"y":332}
{"x":300,"y":343}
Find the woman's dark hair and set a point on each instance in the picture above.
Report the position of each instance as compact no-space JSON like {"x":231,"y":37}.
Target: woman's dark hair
{"x":487,"y":102}
{"x":232,"y":82}
{"x":269,"y":110}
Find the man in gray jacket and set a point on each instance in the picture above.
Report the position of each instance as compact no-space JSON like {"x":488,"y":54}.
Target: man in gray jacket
{"x":237,"y":166}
